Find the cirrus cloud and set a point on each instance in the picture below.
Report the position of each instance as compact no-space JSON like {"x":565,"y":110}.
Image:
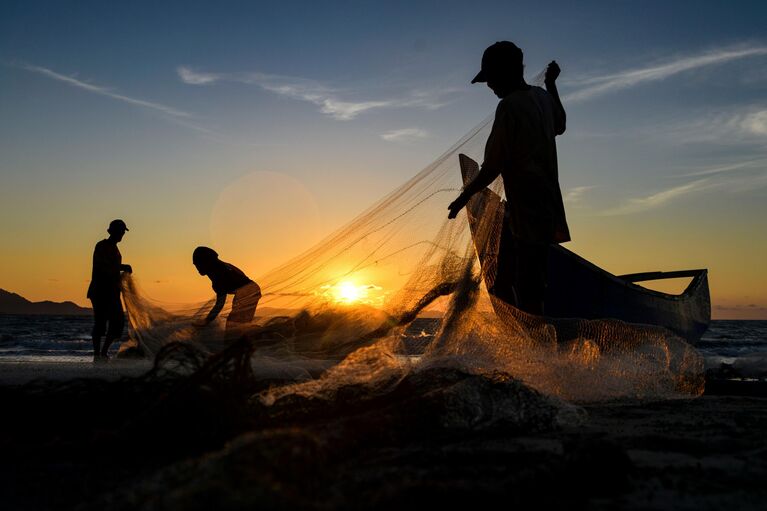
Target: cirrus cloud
{"x":599,"y":85}
{"x":405,"y":135}
{"x":328,"y":99}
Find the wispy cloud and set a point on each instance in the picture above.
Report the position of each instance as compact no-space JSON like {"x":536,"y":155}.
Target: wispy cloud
{"x":639,"y":204}
{"x":574,"y":195}
{"x":737,"y":178}
{"x":746,"y":125}
{"x":196,"y":78}
{"x":405,"y":135}
{"x":596,"y":86}
{"x":171,"y":114}
{"x":755,"y":123}
{"x":328,"y":99}
{"x":759,"y":163}
{"x":104,"y":91}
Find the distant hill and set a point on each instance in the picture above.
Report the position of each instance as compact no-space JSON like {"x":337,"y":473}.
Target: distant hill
{"x":11,"y":303}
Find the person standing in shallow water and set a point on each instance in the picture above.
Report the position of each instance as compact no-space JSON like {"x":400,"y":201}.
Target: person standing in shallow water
{"x":227,"y":279}
{"x":521,"y":148}
{"x":104,"y":291}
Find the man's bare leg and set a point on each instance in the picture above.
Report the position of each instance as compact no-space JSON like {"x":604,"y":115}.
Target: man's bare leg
{"x":96,"y":348}
{"x":105,"y":348}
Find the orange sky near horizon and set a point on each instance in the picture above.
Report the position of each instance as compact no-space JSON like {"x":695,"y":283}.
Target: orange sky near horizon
{"x":160,"y":249}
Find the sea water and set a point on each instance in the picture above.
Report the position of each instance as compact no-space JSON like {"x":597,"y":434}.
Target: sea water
{"x":43,"y":338}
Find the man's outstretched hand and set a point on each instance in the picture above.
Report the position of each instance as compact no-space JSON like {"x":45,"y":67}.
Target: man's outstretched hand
{"x":552,"y":72}
{"x":456,"y":206}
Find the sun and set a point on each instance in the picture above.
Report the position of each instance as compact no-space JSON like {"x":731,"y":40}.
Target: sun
{"x":348,"y":292}
{"x":351,"y":292}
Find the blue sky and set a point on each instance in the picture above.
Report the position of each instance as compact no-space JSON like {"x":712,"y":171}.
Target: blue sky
{"x":101,"y":104}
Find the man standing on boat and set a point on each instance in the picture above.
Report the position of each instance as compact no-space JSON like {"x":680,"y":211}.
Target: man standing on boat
{"x":521,"y":148}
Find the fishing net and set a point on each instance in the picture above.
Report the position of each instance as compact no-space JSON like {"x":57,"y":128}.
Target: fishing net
{"x":399,"y":289}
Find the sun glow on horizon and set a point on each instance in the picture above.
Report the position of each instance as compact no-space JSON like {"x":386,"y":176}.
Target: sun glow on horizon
{"x":349,"y":292}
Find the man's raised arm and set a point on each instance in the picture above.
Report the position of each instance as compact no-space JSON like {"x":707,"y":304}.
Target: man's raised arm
{"x":552,"y":72}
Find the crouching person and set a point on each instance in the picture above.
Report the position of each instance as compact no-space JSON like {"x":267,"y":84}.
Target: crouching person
{"x":227,"y":279}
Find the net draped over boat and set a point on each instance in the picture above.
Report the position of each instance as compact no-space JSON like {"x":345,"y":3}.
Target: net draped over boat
{"x":351,"y":310}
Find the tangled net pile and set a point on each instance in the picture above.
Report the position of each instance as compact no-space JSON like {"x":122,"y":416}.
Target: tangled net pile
{"x":347,"y":312}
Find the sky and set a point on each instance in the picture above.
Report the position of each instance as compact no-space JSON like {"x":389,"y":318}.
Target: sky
{"x":165,"y":113}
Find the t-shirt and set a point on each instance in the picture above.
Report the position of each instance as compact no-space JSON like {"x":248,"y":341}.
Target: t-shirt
{"x":226,"y":278}
{"x":105,"y":278}
{"x":521,"y":145}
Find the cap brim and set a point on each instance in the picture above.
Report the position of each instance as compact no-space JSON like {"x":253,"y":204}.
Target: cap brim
{"x":480,"y":78}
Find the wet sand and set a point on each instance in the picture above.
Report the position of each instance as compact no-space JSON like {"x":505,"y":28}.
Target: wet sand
{"x":19,"y":373}
{"x":446,"y":448}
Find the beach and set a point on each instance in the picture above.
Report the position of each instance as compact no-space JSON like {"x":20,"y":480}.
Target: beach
{"x":19,"y":373}
{"x":97,"y":437}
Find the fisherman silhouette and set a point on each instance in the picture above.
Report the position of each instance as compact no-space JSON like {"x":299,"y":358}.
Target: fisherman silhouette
{"x":227,"y":279}
{"x":521,"y":148}
{"x":104,"y":290}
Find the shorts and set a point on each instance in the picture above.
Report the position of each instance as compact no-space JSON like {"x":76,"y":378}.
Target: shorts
{"x":108,"y":309}
{"x":244,"y":304}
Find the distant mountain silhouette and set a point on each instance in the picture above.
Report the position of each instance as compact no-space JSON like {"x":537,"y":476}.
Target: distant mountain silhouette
{"x":11,"y":303}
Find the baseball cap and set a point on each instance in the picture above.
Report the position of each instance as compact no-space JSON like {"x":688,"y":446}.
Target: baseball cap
{"x":502,"y":55}
{"x":117,"y":224}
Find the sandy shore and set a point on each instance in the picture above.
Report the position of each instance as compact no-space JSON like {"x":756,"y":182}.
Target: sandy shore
{"x":443,"y":440}
{"x":19,"y":373}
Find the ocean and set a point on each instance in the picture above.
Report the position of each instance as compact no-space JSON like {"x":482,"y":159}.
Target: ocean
{"x":67,"y":339}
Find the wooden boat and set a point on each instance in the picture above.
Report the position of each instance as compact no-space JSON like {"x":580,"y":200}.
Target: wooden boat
{"x":579,"y":289}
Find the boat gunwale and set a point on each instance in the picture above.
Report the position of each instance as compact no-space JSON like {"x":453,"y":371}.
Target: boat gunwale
{"x":691,"y":290}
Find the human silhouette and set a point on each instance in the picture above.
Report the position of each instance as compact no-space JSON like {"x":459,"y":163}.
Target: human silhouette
{"x":227,"y":279}
{"x":521,"y":148}
{"x":104,"y":290}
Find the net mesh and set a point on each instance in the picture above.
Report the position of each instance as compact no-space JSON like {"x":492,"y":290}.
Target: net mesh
{"x":400,"y":289}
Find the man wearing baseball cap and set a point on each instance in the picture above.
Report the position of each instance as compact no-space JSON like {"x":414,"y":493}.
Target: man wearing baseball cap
{"x":104,"y":290}
{"x":521,"y":149}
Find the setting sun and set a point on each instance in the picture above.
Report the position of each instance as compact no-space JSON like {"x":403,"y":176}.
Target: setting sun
{"x":348,"y":292}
